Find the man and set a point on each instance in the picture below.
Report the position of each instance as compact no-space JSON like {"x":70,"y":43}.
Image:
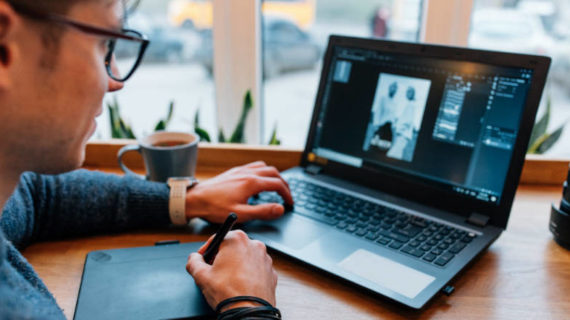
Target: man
{"x":56,"y":64}
{"x":404,"y":127}
{"x":379,"y":132}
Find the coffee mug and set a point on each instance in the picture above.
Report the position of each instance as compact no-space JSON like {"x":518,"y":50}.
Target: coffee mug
{"x":165,"y":154}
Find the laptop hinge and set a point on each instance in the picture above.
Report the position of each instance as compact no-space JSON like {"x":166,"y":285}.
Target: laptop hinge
{"x":313,"y":169}
{"x":478,"y":219}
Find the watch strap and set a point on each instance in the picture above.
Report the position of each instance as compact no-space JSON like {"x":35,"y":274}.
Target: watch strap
{"x":177,"y":199}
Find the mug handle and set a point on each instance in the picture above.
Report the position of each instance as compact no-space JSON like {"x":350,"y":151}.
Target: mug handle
{"x":124,"y":150}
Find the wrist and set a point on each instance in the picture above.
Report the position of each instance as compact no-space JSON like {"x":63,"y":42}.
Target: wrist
{"x":177,"y":201}
{"x":240,"y":304}
{"x":194,"y":203}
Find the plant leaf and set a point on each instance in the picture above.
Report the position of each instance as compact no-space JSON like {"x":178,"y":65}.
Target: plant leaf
{"x":542,"y":125}
{"x":161,"y":125}
{"x":170,"y":111}
{"x":274,"y":141}
{"x":550,"y":140}
{"x":197,"y":118}
{"x":238,"y":136}
{"x":221,"y":137}
{"x":203,"y":134}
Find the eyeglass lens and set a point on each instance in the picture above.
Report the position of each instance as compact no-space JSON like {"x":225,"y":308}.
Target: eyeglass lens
{"x":126,"y":54}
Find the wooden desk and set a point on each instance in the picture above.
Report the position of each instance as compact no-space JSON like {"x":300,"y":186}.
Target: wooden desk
{"x":524,"y":275}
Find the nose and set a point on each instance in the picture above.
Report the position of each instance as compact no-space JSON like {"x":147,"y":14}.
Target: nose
{"x":114,"y":85}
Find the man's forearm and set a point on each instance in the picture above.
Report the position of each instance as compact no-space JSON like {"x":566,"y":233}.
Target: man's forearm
{"x":80,"y":203}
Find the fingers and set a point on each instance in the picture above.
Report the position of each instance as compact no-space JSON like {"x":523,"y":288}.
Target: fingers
{"x":270,"y":172}
{"x":205,"y":245}
{"x":266,"y":211}
{"x":277,"y":185}
{"x":197,"y":268}
{"x":256,"y":164}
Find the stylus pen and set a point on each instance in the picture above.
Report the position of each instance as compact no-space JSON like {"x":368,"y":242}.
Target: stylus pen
{"x":212,"y":249}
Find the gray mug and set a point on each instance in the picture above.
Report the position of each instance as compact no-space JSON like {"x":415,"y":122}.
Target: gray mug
{"x":165,"y":154}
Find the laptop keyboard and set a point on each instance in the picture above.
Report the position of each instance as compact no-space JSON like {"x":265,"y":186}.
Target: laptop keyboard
{"x":429,"y":241}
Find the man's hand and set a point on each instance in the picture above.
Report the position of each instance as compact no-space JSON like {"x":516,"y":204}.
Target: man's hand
{"x":242,"y":267}
{"x":228,"y":192}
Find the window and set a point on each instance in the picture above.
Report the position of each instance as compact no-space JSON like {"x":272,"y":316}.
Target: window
{"x":177,"y":67}
{"x":534,"y":27}
{"x":295,"y":35}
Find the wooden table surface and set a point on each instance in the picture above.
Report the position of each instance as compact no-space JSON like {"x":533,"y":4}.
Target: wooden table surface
{"x":523,"y":275}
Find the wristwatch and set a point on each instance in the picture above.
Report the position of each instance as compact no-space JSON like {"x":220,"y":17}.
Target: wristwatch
{"x":177,"y":201}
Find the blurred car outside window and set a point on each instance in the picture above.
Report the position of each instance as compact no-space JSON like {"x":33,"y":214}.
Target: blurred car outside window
{"x":539,"y":27}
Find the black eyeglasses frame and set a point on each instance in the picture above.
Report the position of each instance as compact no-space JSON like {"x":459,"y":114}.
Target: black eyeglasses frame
{"x":94,"y":30}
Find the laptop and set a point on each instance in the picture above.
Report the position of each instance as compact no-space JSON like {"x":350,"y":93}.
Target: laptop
{"x":411,"y":163}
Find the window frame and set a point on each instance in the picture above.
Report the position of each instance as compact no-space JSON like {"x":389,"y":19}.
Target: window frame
{"x":235,"y":73}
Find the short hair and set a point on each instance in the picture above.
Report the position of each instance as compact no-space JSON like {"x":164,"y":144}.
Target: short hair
{"x":51,"y":33}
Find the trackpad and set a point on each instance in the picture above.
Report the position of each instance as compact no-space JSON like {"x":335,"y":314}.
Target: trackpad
{"x":387,"y":273}
{"x":291,"y":231}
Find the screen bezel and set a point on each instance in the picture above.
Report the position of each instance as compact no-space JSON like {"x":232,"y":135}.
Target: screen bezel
{"x":422,"y":192}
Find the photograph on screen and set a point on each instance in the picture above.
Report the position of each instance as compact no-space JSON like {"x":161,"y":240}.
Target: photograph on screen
{"x":396,"y":116}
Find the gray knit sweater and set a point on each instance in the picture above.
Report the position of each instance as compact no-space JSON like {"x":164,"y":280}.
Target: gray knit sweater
{"x":78,"y":203}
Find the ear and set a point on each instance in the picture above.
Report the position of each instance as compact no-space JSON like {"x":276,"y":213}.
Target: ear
{"x":9,"y":20}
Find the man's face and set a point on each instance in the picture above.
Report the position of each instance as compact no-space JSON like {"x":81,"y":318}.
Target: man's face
{"x":52,"y":110}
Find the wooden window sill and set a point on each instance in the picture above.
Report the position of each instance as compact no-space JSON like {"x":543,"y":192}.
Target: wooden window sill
{"x":537,"y":170}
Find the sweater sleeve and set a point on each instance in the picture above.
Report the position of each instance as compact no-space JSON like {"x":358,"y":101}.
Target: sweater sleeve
{"x":82,"y":202}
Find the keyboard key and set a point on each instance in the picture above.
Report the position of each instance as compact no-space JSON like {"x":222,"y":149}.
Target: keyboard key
{"x":351,"y":228}
{"x":456,"y":248}
{"x":340,"y":217}
{"x":432,"y":242}
{"x":412,"y":251}
{"x":421,"y":238}
{"x":371,"y":235}
{"x":396,"y":244}
{"x":342,"y":225}
{"x":441,"y":262}
{"x":372,"y":228}
{"x":409,"y":231}
{"x":414,"y":243}
{"x":375,"y":222}
{"x":383,"y":241}
{"x":429,"y":257}
{"x":426,"y":247}
{"x":394,"y":236}
{"x":361,"y":232}
{"x":316,"y":216}
{"x":469,"y":237}
{"x":444,"y":259}
{"x":447,"y":256}
{"x":443,"y":246}
{"x":419,"y":222}
{"x":436,"y":251}
{"x":448,"y":241}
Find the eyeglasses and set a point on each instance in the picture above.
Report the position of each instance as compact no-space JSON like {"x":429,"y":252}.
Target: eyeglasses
{"x":125,"y":49}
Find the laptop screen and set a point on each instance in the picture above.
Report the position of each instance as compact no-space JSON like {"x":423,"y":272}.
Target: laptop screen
{"x":450,"y":123}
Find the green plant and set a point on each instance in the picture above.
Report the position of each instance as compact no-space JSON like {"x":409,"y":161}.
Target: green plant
{"x":162,"y":124}
{"x":121,"y":130}
{"x":540,"y":140}
{"x":274,"y":141}
{"x":238,"y":136}
{"x":202,"y":133}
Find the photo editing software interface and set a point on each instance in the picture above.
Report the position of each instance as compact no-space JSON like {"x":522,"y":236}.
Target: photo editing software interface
{"x":452,"y":124}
